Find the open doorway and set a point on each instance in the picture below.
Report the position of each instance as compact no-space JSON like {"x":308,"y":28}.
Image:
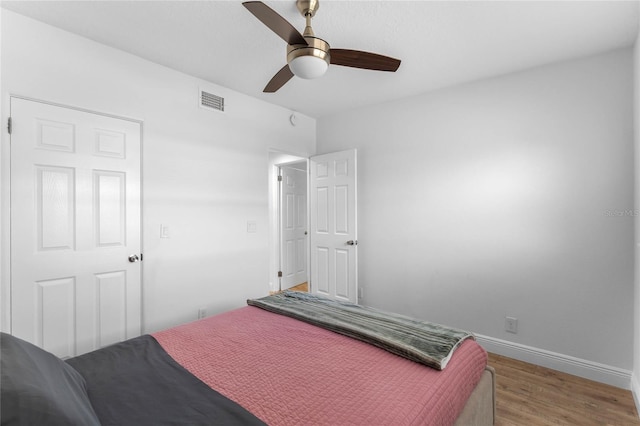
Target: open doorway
{"x":328,"y":252}
{"x":289,"y":221}
{"x":293,"y":225}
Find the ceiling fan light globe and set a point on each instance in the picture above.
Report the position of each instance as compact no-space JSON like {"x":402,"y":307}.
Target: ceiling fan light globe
{"x":308,"y":67}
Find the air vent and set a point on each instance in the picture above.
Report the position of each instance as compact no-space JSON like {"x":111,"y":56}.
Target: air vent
{"x":211,"y":101}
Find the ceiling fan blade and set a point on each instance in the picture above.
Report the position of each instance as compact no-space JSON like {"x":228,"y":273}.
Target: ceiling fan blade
{"x":365,"y":60}
{"x":278,"y":80}
{"x":275,"y":22}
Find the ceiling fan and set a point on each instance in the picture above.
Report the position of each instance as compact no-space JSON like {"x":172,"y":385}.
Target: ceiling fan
{"x":307,"y":55}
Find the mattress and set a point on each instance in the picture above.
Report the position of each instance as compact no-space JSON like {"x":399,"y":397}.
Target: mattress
{"x":317,"y":376}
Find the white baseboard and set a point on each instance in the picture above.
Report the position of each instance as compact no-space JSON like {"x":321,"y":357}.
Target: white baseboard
{"x":567,"y":364}
{"x":635,"y":391}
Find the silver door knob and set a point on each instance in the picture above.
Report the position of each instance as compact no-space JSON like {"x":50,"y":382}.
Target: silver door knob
{"x":133,"y":258}
{"x":352,"y":243}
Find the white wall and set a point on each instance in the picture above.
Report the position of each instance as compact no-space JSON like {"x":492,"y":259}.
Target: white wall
{"x":511,"y":196}
{"x":205,"y":173}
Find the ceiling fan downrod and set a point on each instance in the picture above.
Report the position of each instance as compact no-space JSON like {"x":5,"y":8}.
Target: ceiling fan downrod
{"x":308,"y":9}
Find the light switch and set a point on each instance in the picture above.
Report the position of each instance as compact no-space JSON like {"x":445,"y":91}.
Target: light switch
{"x":252,"y":227}
{"x":164,"y":231}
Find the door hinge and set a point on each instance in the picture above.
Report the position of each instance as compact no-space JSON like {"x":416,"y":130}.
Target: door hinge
{"x":279,"y":274}
{"x":9,"y":125}
{"x":279,"y":178}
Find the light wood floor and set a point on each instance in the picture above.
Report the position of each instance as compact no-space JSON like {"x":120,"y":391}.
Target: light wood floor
{"x":301,"y":287}
{"x":529,"y":395}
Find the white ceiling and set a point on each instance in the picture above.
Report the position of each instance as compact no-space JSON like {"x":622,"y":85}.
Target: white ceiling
{"x":441,"y":43}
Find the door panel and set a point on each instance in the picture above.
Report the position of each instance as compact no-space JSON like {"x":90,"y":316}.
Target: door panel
{"x":333,"y":216}
{"x":54,"y":135}
{"x":320,"y":270}
{"x":112,"y":300}
{"x":342,"y":273}
{"x":54,"y":207}
{"x":75,"y":218}
{"x":55,"y":313}
{"x":110,"y":201}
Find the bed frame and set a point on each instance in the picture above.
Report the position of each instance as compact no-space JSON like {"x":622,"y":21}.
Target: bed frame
{"x":480,"y":408}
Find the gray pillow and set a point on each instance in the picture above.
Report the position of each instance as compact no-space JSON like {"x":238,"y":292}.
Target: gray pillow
{"x":38,"y":388}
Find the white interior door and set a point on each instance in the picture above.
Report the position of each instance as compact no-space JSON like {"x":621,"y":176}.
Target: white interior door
{"x":333,"y":233}
{"x":75,"y":220}
{"x":293,"y":226}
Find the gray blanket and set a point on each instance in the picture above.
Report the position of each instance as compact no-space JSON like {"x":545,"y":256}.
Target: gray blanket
{"x":424,"y":342}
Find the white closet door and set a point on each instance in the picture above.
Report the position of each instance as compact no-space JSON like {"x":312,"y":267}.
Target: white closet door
{"x":75,"y":220}
{"x":333,"y":234}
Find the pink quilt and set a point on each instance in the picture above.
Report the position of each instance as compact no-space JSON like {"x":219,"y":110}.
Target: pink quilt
{"x":287,"y":372}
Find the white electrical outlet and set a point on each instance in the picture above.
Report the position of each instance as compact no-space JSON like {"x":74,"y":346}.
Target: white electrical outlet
{"x":511,"y":324}
{"x":202,"y":312}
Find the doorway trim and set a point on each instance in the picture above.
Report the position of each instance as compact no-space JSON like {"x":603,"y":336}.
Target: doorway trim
{"x":278,"y":159}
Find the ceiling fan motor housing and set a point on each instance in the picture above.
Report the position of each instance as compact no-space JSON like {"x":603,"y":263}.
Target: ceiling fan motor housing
{"x":316,"y":47}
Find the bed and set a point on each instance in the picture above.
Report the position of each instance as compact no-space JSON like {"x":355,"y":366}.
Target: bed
{"x":248,"y":366}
